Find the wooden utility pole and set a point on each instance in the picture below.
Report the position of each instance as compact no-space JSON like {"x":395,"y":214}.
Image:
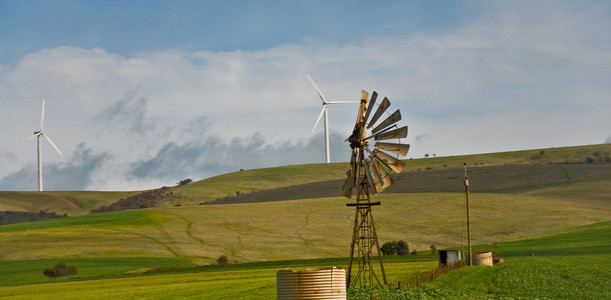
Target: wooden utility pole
{"x":468,"y":217}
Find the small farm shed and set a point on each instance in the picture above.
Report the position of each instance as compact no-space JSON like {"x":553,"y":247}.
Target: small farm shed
{"x":449,"y":257}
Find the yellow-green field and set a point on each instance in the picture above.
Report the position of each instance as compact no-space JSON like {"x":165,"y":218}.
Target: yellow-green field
{"x":514,"y":195}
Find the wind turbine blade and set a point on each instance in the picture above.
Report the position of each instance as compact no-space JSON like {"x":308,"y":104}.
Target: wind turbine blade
{"x":400,"y":149}
{"x":30,"y":137}
{"x":42,"y":115}
{"x":52,"y":144}
{"x":392,"y":119}
{"x":381,"y":109}
{"x":317,"y":90}
{"x":339,"y":102}
{"x":374,"y":96}
{"x":398,"y":133}
{"x":322,"y":112}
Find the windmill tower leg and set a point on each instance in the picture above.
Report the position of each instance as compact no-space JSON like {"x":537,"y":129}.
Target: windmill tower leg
{"x":364,"y":240}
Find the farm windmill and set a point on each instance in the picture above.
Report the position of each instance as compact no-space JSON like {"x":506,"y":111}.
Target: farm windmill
{"x":37,"y":135}
{"x":324,"y":112}
{"x":369,"y":175}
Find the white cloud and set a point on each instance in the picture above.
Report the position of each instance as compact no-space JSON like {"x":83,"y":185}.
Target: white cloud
{"x":522,"y":76}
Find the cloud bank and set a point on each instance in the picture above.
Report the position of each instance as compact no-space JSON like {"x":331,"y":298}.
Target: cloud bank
{"x":520,"y":76}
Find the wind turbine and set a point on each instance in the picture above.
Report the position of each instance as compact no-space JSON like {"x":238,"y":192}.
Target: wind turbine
{"x":38,"y":134}
{"x":324,"y":112}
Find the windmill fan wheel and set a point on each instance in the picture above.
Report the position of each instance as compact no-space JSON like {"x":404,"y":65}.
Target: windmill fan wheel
{"x":370,"y":165}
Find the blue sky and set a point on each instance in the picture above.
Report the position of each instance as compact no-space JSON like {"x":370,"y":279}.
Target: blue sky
{"x":142,"y":94}
{"x":128,"y":27}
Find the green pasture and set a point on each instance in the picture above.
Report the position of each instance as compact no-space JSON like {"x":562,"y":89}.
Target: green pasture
{"x":299,"y":229}
{"x":551,"y":266}
{"x":248,"y":281}
{"x":547,"y":275}
{"x":548,"y":218}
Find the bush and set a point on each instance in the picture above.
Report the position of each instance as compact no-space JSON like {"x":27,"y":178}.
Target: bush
{"x":222,"y":260}
{"x":389,"y":248}
{"x":60,"y":270}
{"x":395,"y":248}
{"x":402,"y":248}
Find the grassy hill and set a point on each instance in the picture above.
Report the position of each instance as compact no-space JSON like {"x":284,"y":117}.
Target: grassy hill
{"x":292,"y":212}
{"x":488,"y":172}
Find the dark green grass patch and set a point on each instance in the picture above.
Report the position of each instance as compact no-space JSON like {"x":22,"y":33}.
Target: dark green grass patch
{"x":593,"y":239}
{"x":30,"y":271}
{"x":132,"y":217}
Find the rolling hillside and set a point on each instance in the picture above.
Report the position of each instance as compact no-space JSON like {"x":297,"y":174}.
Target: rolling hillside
{"x":490,"y":172}
{"x":292,"y":213}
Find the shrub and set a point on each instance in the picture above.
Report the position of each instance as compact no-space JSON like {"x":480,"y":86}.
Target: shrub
{"x":60,"y":270}
{"x":402,"y":248}
{"x":222,"y":260}
{"x":389,"y":248}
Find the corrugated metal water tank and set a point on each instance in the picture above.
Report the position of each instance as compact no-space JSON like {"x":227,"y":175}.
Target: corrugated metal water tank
{"x":482,"y":259}
{"x":328,"y":283}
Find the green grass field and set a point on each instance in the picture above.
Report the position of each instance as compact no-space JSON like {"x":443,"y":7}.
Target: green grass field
{"x":550,"y":274}
{"x":515,"y":195}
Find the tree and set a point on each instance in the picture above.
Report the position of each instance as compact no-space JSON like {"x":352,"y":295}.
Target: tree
{"x":402,"y":248}
{"x":433,"y":249}
{"x":222,"y":260}
{"x":389,"y":248}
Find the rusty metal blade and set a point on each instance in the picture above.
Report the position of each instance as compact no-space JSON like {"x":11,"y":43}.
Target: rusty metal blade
{"x":400,"y":149}
{"x":398,"y":133}
{"x":370,"y":180}
{"x":385,"y":178}
{"x":393,"y":163}
{"x":362,"y":108}
{"x":347,"y":187}
{"x":375,"y":174}
{"x":392,"y":119}
{"x":381,"y":109}
{"x":370,"y":105}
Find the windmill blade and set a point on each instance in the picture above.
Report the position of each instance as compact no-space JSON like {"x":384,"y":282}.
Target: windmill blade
{"x":317,"y":90}
{"x":392,"y":119}
{"x":398,"y":133}
{"x":52,"y":144}
{"x":375,"y":175}
{"x":42,"y":115}
{"x":351,"y":178}
{"x":393,"y":163}
{"x":400,"y":149}
{"x":322,"y":112}
{"x":370,"y":181}
{"x":347,"y":187}
{"x":385,"y":179}
{"x":372,"y":101}
{"x":381,"y":109}
{"x":361,"y":114}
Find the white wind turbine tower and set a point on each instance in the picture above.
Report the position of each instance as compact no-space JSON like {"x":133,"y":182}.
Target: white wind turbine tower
{"x":38,"y":134}
{"x":324,"y":112}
